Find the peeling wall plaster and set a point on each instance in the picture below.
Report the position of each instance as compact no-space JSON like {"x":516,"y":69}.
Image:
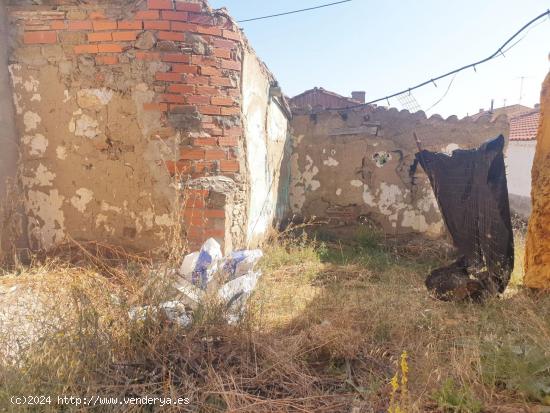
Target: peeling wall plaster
{"x":267,"y":134}
{"x":346,"y":170}
{"x":86,"y":147}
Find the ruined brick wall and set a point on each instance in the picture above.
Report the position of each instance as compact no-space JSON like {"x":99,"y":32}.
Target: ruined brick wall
{"x":358,"y":165}
{"x":131,"y":120}
{"x":537,"y":260}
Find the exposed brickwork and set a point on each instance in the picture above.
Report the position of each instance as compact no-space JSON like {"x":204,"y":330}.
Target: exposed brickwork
{"x":200,"y":80}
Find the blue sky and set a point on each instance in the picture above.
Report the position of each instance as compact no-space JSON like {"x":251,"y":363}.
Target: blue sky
{"x":383,"y":47}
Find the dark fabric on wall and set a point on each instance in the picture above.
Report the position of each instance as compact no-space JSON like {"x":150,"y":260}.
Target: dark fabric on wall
{"x":472,"y":192}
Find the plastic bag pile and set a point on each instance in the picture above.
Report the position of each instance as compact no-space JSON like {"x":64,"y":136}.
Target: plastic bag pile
{"x":231,"y":280}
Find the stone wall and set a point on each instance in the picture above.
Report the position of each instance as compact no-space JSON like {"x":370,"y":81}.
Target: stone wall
{"x":358,"y":165}
{"x":537,"y":261}
{"x":131,"y":120}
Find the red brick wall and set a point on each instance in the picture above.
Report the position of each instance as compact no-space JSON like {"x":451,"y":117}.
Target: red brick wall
{"x":202,"y":82}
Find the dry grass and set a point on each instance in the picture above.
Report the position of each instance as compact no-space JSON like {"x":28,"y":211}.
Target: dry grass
{"x":324,"y":333}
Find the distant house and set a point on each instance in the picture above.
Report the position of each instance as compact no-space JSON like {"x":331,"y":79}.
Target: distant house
{"x":319,"y":98}
{"x":520,"y":155}
{"x":510,"y":111}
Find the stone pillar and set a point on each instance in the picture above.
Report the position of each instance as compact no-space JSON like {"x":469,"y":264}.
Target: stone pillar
{"x":537,"y":260}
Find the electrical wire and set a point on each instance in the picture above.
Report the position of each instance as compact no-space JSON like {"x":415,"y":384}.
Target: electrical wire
{"x":499,"y":52}
{"x":294,"y":11}
{"x":444,"y":94}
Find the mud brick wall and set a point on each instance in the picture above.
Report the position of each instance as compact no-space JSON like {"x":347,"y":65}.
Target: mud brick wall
{"x":131,"y":120}
{"x":358,"y":165}
{"x":537,"y":260}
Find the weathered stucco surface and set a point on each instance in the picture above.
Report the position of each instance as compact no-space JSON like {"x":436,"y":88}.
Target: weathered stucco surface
{"x":131,"y":119}
{"x":358,"y":165}
{"x":266,"y":128}
{"x":537,"y":261}
{"x":88,"y":166}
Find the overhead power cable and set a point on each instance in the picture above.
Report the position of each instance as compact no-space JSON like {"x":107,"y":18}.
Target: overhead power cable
{"x":500,"y":51}
{"x":294,"y":11}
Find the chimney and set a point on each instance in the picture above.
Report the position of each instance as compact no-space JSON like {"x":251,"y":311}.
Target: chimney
{"x":358,"y":96}
{"x":492,"y":105}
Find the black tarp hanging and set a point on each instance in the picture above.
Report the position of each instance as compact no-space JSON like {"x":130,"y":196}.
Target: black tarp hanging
{"x":472,"y":193}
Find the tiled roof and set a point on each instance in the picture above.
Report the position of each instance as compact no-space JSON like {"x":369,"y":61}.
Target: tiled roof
{"x":524,"y":127}
{"x":510,"y":111}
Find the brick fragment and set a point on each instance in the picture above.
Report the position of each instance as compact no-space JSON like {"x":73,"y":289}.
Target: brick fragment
{"x":183,"y":27}
{"x":212,"y":31}
{"x":192,"y":153}
{"x":186,"y":6}
{"x":45,"y":37}
{"x":172,"y":98}
{"x":124,"y":36}
{"x":100,"y":37}
{"x":168,"y":77}
{"x":200,"y":18}
{"x":130,"y":25}
{"x":223,"y":53}
{"x":207,"y":90}
{"x":109,"y":48}
{"x":150,"y":56}
{"x":58,"y":25}
{"x":205,"y":142}
{"x":198,"y":80}
{"x":176,"y":58}
{"x":228,"y":141}
{"x":210,"y":71}
{"x":75,"y":25}
{"x":147,"y":15}
{"x":174,"y":36}
{"x":198,"y":100}
{"x":214,"y":213}
{"x":223,"y":43}
{"x":231,"y":65}
{"x":222,"y":101}
{"x":228,"y":34}
{"x":205,"y":61}
{"x":183,"y":68}
{"x":154,"y":106}
{"x":101,"y":25}
{"x":214,"y":155}
{"x":181,"y":88}
{"x":156,"y":25}
{"x":160,"y":4}
{"x":174,"y":15}
{"x":225,"y":111}
{"x":229,"y":166}
{"x":209,"y":110}
{"x":220,"y":81}
{"x":86,"y":48}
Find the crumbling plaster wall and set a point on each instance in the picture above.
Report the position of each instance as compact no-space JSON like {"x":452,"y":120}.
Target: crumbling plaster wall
{"x":266,"y":126}
{"x":9,"y":231}
{"x":130,"y":118}
{"x":537,"y":260}
{"x":358,"y":165}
